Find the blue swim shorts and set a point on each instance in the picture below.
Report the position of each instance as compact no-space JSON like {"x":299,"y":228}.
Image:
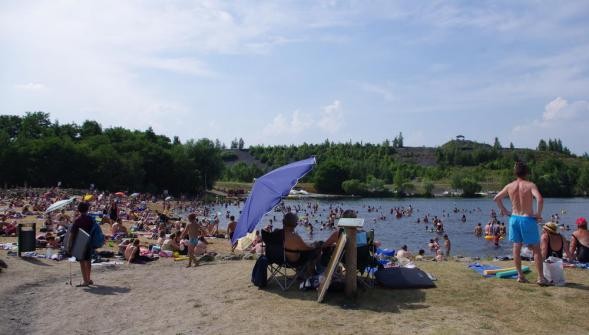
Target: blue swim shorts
{"x":523,"y":229}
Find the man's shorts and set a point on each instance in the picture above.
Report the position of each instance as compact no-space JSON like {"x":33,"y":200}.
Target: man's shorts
{"x":523,"y":229}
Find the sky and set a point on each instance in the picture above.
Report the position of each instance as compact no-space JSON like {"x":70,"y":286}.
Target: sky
{"x":288,"y":72}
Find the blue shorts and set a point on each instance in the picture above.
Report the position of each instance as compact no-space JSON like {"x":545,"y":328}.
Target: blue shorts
{"x":523,"y":229}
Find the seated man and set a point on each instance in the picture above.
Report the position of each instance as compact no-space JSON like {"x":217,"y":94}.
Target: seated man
{"x":403,"y":253}
{"x":172,"y":243}
{"x":118,"y":230}
{"x":296,"y":250}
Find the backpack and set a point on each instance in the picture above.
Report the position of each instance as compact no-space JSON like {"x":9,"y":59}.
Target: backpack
{"x":96,"y":235}
{"x":259,"y":273}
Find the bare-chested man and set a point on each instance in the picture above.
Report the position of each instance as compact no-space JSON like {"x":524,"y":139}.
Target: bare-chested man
{"x":523,"y":223}
{"x":193,"y":231}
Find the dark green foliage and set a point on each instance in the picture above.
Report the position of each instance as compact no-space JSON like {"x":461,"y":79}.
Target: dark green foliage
{"x":428,"y":188}
{"x":583,"y":182}
{"x":329,"y":177}
{"x":497,"y":144}
{"x":468,"y":184}
{"x":554,"y":145}
{"x":554,"y":178}
{"x":467,"y":153}
{"x":241,"y":172}
{"x":354,"y":187}
{"x":36,"y":152}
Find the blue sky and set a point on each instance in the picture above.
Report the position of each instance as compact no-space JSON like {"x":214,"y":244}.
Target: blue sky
{"x":287,"y":72}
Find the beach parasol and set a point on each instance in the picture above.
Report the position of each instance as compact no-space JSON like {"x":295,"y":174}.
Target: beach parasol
{"x":267,"y":192}
{"x":59,"y":205}
{"x":120,"y":194}
{"x":168,"y":198}
{"x":88,"y":197}
{"x":134,"y":195}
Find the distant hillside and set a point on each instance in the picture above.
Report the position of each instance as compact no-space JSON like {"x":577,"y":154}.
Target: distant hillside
{"x":423,"y":156}
{"x":234,"y":156}
{"x":380,"y":169}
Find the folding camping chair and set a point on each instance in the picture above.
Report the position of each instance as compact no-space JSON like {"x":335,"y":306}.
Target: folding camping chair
{"x":366,"y":261}
{"x":278,"y":265}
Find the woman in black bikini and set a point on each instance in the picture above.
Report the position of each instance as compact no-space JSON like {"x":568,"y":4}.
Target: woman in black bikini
{"x":552,"y":243}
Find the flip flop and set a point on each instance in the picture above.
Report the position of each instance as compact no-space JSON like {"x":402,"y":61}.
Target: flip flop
{"x":543,"y":283}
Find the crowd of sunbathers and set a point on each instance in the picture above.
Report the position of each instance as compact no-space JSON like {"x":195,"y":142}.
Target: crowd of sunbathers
{"x":124,"y":219}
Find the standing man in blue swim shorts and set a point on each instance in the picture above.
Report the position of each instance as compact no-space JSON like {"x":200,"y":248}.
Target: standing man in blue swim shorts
{"x":523,"y":222}
{"x":193,"y":231}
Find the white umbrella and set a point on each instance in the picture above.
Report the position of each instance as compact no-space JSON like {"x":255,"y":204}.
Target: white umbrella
{"x":59,"y":204}
{"x":134,"y":195}
{"x":168,"y":198}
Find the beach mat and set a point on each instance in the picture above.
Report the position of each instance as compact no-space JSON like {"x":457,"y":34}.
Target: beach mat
{"x":403,"y":278}
{"x":480,"y":269}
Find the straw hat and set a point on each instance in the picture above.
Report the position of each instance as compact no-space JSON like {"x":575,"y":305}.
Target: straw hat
{"x":551,"y":228}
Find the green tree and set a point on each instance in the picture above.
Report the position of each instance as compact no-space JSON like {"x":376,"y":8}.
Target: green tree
{"x":329,"y":177}
{"x":583,"y":181}
{"x":428,"y":188}
{"x":497,"y":145}
{"x":354,"y":187}
{"x":470,"y":187}
{"x":542,"y":146}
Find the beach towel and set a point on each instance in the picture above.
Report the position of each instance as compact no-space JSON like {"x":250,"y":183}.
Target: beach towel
{"x":479,"y":268}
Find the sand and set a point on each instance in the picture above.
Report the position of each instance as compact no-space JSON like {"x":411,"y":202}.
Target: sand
{"x":164,"y":297}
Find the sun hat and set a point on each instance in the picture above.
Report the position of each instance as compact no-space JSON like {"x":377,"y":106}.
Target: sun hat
{"x":581,"y":222}
{"x":551,"y":227}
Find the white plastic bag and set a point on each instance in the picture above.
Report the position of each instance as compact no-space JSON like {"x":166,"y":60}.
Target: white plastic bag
{"x":554,"y":271}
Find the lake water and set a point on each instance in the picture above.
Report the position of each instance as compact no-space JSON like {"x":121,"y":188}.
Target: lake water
{"x":393,"y":232}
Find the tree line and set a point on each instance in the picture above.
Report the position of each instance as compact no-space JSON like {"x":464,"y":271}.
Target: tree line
{"x":37,"y":152}
{"x":374,"y":169}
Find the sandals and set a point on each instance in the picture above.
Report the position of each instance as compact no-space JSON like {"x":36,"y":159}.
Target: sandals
{"x":523,"y":280}
{"x":543,"y":283}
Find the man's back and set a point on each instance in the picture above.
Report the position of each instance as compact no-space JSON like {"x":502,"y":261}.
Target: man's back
{"x":193,"y":229}
{"x":521,"y":195}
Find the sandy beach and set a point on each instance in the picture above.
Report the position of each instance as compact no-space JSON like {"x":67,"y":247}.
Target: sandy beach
{"x":164,"y":297}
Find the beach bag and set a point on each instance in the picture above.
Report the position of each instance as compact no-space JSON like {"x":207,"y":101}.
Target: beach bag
{"x":96,"y":235}
{"x":259,"y":272}
{"x":554,"y":271}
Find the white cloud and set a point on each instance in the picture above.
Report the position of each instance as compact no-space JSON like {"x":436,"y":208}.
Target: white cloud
{"x":331,"y":118}
{"x":328,"y":120}
{"x":30,"y":87}
{"x":281,"y":125}
{"x":560,"y":119}
{"x":559,"y":109}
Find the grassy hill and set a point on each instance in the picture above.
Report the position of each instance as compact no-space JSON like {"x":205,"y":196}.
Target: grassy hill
{"x":382,"y":169}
